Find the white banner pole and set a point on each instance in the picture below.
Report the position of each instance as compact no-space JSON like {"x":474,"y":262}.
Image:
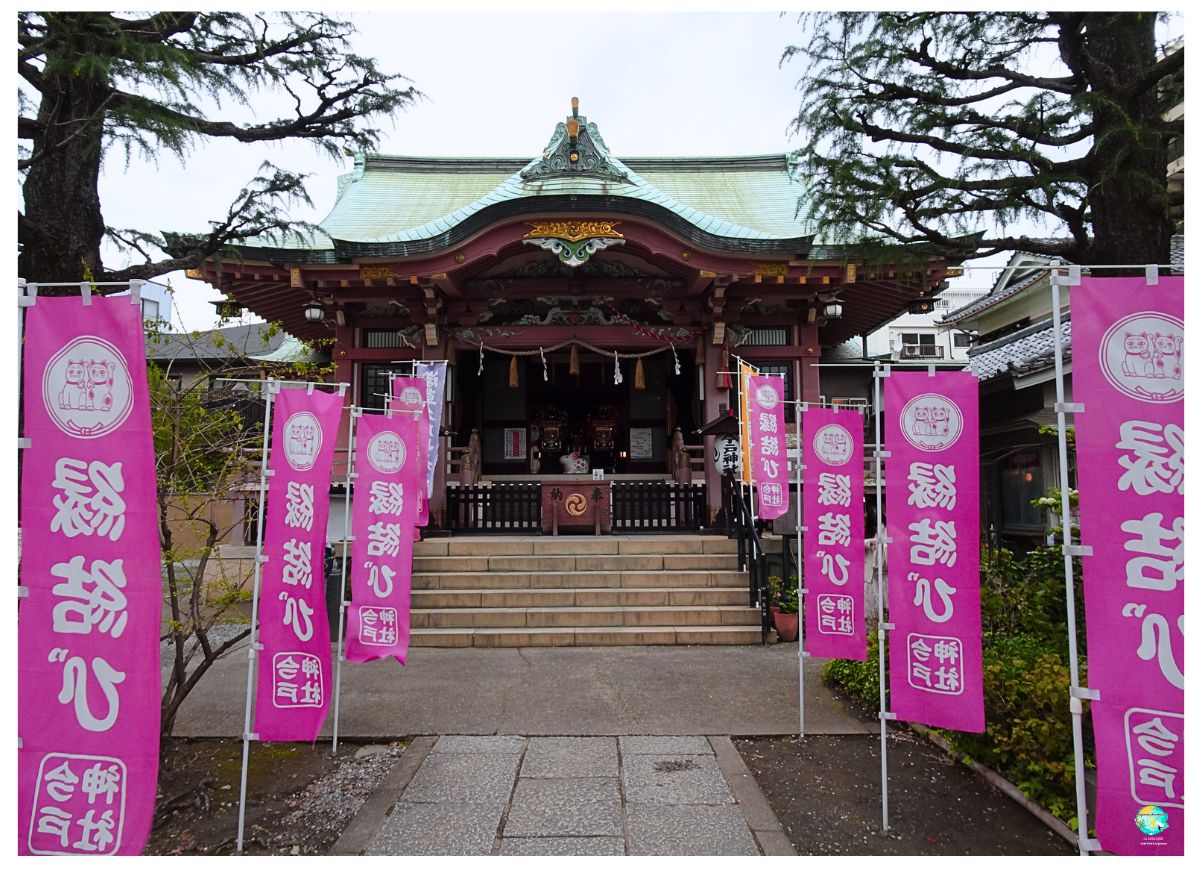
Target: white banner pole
{"x":272,"y":388}
{"x":878,"y":373}
{"x":348,"y":539}
{"x":1077,"y":693}
{"x":801,"y":592}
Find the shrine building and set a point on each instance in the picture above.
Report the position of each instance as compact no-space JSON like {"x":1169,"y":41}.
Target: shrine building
{"x":586,"y":304}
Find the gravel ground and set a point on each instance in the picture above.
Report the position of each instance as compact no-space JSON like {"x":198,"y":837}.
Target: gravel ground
{"x":299,"y":798}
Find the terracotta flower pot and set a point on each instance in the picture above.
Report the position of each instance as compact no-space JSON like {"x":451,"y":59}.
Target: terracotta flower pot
{"x":787,"y":626}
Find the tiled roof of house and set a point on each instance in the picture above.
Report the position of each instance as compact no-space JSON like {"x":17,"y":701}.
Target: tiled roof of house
{"x":232,"y":342}
{"x":1026,"y":351}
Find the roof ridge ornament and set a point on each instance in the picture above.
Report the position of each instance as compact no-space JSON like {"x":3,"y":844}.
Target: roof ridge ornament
{"x":575,"y":148}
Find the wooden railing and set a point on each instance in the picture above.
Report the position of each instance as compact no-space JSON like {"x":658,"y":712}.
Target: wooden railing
{"x":658,"y":506}
{"x":511,"y":508}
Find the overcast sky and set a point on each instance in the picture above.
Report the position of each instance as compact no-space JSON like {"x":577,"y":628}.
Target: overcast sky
{"x":495,"y":84}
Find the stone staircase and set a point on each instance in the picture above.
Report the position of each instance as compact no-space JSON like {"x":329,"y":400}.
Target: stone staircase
{"x":580,"y":591}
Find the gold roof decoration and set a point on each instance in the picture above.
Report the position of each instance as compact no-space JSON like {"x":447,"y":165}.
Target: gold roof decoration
{"x":574,"y":231}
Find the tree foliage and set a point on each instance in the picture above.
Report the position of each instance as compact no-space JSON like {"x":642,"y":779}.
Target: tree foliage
{"x":140,"y":84}
{"x":938,"y":127}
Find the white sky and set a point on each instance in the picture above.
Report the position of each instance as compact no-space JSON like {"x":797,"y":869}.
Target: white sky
{"x":495,"y":84}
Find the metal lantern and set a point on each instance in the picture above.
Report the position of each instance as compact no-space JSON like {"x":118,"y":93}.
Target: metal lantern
{"x":314,"y":312}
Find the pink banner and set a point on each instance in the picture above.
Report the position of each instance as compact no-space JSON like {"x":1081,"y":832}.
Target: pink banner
{"x":768,"y":446}
{"x":932,"y":432}
{"x":1127,"y":361}
{"x":834,"y":553}
{"x":89,"y":683}
{"x":388,"y":480}
{"x":409,"y":394}
{"x":294,"y":664}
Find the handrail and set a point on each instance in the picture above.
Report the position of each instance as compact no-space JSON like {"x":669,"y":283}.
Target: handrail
{"x":752,"y":556}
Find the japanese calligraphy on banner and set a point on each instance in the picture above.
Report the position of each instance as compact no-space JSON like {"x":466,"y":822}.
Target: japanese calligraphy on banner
{"x":834,"y":549}
{"x":434,"y":375}
{"x":385,"y":508}
{"x":931,"y":427}
{"x":89,"y":680}
{"x":1127,"y":360}
{"x":409,"y":394}
{"x":294,"y":664}
{"x":768,"y":447}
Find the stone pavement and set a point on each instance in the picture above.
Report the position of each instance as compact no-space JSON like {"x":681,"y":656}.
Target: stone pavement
{"x":681,"y":690}
{"x":513,"y":795}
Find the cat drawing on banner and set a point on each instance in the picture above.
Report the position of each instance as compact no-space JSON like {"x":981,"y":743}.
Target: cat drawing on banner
{"x":74,"y":391}
{"x":1139,"y":361}
{"x":88,"y":385}
{"x":922,"y":421}
{"x":1168,"y":356}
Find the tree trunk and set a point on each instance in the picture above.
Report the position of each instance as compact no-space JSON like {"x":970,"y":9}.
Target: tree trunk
{"x":62,"y":225}
{"x":1131,"y":219}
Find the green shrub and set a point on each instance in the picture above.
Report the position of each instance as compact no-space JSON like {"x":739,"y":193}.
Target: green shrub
{"x":1026,"y":677}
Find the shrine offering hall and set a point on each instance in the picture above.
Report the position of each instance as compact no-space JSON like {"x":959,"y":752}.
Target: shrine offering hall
{"x":589,"y":309}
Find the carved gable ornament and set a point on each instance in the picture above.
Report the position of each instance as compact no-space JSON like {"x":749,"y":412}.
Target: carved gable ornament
{"x":575,"y":148}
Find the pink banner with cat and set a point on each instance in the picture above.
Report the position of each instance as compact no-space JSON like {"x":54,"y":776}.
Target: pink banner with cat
{"x":931,"y":427}
{"x":408,"y":393}
{"x":834,"y":551}
{"x":388,"y":478}
{"x":768,"y":445}
{"x":294,"y":664}
{"x":89,"y":682}
{"x":1127,"y":362}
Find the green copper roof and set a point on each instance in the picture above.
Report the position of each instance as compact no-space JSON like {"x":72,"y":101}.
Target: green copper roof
{"x":398,"y":200}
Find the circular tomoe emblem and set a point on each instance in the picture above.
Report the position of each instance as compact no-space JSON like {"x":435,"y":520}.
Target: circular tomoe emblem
{"x":931,"y":421}
{"x":301,"y":440}
{"x":576,"y":504}
{"x":1142,"y":356}
{"x":766,"y":396}
{"x":386,"y":452}
{"x":86,"y":388}
{"x":833,"y":444}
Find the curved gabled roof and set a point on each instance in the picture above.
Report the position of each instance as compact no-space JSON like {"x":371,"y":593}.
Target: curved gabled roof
{"x":403,"y":205}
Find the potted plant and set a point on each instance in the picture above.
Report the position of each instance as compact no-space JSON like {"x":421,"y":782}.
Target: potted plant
{"x":774,"y":589}
{"x":787,"y":619}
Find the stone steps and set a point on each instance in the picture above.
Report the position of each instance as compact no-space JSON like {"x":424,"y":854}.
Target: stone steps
{"x":576,"y":579}
{"x":580,"y":591}
{"x":544,"y":563}
{"x":585,"y":617}
{"x":586,"y":636}
{"x":704,"y":596}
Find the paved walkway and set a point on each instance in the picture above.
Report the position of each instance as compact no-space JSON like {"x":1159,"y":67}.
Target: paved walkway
{"x":736,"y":690}
{"x":512,"y":795}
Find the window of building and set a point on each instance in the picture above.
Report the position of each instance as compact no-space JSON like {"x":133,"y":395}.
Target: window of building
{"x":919,"y":345}
{"x":962,"y":339}
{"x":769,"y":336}
{"x":373,"y":386}
{"x":1021,"y":481}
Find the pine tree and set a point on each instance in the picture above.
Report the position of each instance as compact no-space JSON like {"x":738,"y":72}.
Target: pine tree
{"x":950,"y":128}
{"x":97,"y":82}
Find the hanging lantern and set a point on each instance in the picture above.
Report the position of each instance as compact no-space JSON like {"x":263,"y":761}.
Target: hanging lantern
{"x":639,"y":376}
{"x":512,"y":373}
{"x":574,"y":360}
